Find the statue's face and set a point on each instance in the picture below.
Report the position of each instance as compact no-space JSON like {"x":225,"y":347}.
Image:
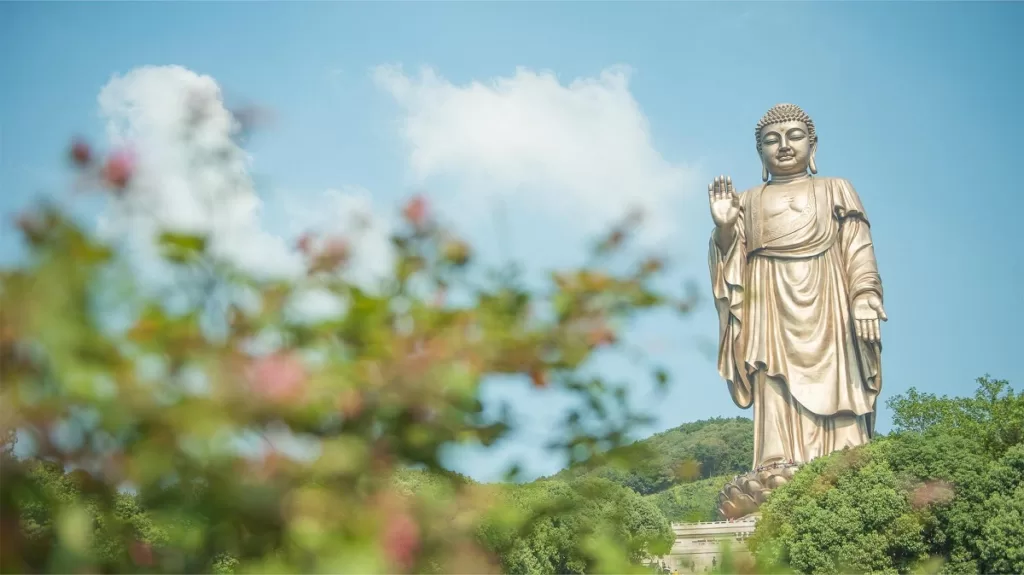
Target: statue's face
{"x":786,"y":148}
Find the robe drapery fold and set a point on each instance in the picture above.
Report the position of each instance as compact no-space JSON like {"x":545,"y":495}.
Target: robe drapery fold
{"x":783,"y":290}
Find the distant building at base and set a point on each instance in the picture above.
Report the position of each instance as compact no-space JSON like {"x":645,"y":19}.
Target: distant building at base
{"x":698,"y":546}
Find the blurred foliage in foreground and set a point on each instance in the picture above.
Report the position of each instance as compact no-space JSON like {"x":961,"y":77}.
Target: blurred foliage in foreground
{"x":155,"y":434}
{"x":944,"y":493}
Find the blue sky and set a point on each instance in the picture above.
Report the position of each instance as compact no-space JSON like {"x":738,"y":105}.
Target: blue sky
{"x":915,"y":103}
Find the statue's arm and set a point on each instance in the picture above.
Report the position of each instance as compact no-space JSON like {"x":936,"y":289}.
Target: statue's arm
{"x":725,"y":236}
{"x":858,"y":248}
{"x":733,"y":237}
{"x":727,"y":277}
{"x":727,"y":259}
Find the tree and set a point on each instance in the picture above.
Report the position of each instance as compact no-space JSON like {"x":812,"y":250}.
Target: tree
{"x":995,"y":413}
{"x":573,"y":526}
{"x":941,"y":492}
{"x":691,"y":502}
{"x":136,"y":429}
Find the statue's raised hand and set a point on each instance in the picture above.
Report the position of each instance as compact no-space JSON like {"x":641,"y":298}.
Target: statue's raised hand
{"x":725,"y":204}
{"x":868,"y":314}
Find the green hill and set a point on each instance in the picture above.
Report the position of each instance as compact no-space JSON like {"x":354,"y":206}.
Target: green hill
{"x":691,"y":502}
{"x":693,"y":451}
{"x":679,"y":470}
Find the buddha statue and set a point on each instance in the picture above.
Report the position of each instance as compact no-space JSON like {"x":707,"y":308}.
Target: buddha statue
{"x":799,"y":303}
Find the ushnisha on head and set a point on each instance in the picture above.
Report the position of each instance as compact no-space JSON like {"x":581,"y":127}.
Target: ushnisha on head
{"x":786,"y":142}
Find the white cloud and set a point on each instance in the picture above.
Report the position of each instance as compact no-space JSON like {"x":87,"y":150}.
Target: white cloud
{"x":581,"y":150}
{"x":176,"y":186}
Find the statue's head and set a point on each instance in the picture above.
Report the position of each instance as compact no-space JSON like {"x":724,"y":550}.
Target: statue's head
{"x":786,"y":141}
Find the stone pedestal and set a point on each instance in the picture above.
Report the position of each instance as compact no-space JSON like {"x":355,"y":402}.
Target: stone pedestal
{"x":743,"y":496}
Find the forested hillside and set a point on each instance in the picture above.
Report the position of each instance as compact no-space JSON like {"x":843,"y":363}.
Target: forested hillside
{"x":692,"y":501}
{"x":679,"y":471}
{"x":943,"y":493}
{"x":698,"y":450}
{"x":682,"y":469}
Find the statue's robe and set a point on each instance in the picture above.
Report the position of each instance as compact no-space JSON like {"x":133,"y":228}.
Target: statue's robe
{"x":788,"y":346}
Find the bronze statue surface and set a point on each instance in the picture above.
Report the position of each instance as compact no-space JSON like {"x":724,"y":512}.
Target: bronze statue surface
{"x":799,"y":299}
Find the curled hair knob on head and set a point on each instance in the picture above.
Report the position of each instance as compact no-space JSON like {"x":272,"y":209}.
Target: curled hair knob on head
{"x":784,"y":113}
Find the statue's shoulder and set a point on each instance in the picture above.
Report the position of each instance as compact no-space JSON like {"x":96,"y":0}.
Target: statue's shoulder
{"x":844,"y":195}
{"x":836,"y":182}
{"x":828,"y":179}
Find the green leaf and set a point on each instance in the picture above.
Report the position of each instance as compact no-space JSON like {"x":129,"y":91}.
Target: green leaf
{"x":180,"y":247}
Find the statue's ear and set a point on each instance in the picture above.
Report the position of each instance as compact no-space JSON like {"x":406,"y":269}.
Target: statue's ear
{"x":764,"y":171}
{"x":810,"y":163}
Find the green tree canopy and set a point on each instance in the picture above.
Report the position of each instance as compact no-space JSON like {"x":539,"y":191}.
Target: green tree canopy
{"x":691,"y":451}
{"x":943,"y":492}
{"x":592,"y":511}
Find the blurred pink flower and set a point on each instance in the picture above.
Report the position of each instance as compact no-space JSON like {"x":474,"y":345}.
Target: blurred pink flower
{"x":415,"y":211}
{"x":280,"y":377}
{"x":81,"y":153}
{"x":305,"y":243}
{"x":119,"y":169}
{"x":334,"y":253}
{"x":401,"y":540}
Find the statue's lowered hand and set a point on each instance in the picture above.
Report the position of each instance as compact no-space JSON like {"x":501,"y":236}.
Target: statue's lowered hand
{"x":868,"y":314}
{"x":725,"y":204}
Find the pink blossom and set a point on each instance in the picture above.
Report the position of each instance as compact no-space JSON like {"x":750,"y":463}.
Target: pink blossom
{"x":415,"y":211}
{"x":335,"y":252}
{"x":81,"y":153}
{"x":305,"y":243}
{"x":279,"y":377}
{"x":401,"y":540}
{"x":119,"y":169}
